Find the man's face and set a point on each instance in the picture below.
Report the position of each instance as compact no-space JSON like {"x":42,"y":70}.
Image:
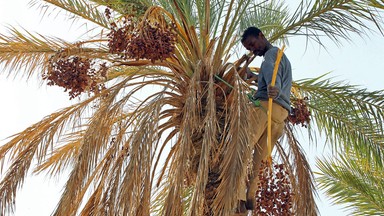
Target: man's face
{"x":255,"y":44}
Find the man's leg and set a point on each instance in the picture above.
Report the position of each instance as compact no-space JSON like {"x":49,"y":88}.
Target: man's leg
{"x":279,"y":114}
{"x":258,"y":120}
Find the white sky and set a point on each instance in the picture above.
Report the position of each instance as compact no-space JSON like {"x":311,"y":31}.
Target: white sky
{"x":23,"y":104}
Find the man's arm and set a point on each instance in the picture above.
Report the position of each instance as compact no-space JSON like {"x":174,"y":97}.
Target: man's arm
{"x":251,"y":76}
{"x":268,"y":67}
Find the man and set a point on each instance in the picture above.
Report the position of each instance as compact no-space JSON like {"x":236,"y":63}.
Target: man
{"x":254,"y":41}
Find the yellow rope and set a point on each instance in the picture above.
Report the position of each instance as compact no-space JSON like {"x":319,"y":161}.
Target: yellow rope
{"x":270,"y":100}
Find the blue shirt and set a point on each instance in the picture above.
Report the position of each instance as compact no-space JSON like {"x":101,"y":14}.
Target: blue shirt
{"x":283,"y":78}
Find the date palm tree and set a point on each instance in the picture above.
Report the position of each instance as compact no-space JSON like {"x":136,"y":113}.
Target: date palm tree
{"x":165,"y":126}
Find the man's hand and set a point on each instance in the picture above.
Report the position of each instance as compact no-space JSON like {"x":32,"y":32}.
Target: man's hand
{"x":251,"y":76}
{"x":273,"y":91}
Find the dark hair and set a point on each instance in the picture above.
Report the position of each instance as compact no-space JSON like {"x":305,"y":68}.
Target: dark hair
{"x":250,"y":31}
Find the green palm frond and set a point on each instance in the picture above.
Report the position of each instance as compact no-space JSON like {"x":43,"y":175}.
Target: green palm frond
{"x":270,"y":16}
{"x":201,"y":21}
{"x":78,"y":9}
{"x":235,"y":11}
{"x":349,"y":116}
{"x":127,"y":7}
{"x":183,"y":10}
{"x":378,"y":4}
{"x":354,"y":182}
{"x":334,"y":19}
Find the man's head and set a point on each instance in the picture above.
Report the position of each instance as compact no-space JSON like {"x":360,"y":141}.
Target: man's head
{"x":254,"y":41}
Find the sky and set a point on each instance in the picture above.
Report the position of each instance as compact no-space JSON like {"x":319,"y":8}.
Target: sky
{"x":23,"y":103}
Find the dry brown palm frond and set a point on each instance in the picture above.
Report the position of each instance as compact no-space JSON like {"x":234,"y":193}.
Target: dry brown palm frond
{"x":65,"y":154}
{"x":131,"y":125}
{"x":19,"y":51}
{"x":98,"y":177}
{"x":96,"y":139}
{"x":33,"y":143}
{"x":135,"y":192}
{"x":25,"y":51}
{"x":44,"y":132}
{"x":39,"y":137}
{"x":94,"y":201}
{"x":235,"y":149}
{"x":62,"y":156}
{"x":126,"y":180}
{"x":15,"y":177}
{"x":183,"y":146}
{"x":209,"y":128}
{"x":96,"y":136}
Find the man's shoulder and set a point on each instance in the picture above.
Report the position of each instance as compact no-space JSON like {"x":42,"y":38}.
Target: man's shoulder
{"x":272,"y":52}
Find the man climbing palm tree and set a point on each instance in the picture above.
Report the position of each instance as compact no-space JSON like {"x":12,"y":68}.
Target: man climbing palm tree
{"x":254,"y":41}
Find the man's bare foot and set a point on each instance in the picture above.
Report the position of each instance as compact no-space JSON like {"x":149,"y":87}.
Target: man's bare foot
{"x":241,"y":208}
{"x":250,"y":204}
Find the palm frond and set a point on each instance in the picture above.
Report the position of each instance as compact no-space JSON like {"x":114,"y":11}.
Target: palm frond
{"x":334,"y":19}
{"x":124,"y":7}
{"x":270,"y":16}
{"x":27,"y":52}
{"x":377,"y":4}
{"x":235,"y":147}
{"x":97,"y":138}
{"x":18,"y":50}
{"x":183,"y":146}
{"x":33,"y":143}
{"x":234,"y":11}
{"x":354,"y":182}
{"x":349,"y":116}
{"x":99,"y":177}
{"x":77,"y":8}
{"x":136,"y":183}
{"x":128,"y":179}
{"x":204,"y":152}
{"x":182,"y":10}
{"x":62,"y":156}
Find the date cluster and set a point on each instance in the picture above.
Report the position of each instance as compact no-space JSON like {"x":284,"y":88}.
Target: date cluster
{"x":133,"y":38}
